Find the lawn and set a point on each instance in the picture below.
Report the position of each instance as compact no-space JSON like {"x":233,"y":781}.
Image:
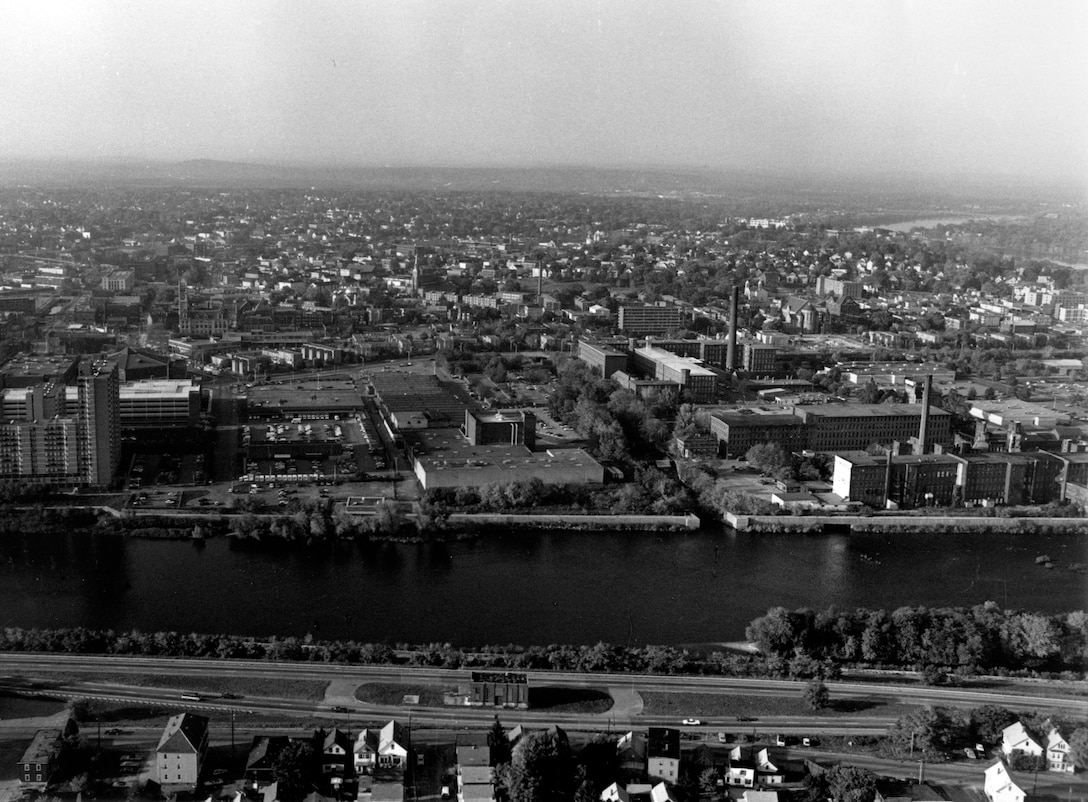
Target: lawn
{"x":309,"y":690}
{"x":393,"y":693}
{"x":714,"y":705}
{"x":26,"y":707}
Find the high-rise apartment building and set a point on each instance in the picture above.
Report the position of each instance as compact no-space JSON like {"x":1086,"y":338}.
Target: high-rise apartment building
{"x":63,"y":435}
{"x":642,"y":320}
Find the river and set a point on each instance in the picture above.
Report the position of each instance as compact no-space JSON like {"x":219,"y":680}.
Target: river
{"x":539,"y":588}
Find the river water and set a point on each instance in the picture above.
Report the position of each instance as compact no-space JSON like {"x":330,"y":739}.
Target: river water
{"x":539,"y":588}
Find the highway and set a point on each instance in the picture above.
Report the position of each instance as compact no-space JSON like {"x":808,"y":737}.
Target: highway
{"x":51,"y":675}
{"x":16,"y":669}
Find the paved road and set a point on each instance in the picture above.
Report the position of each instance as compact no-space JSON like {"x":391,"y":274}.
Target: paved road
{"x":340,"y":677}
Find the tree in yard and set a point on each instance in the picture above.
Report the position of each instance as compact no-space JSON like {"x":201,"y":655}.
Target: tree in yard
{"x":768,"y":457}
{"x":1078,"y":747}
{"x":599,"y":764}
{"x":869,"y":393}
{"x":817,"y":697}
{"x":1019,"y":760}
{"x":850,"y":784}
{"x":499,"y":743}
{"x":987,"y":723}
{"x":930,"y":730}
{"x":293,"y":769}
{"x":709,"y":779}
{"x":541,"y":769}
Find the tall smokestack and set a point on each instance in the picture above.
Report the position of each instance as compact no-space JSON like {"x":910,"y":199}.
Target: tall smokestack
{"x":887,"y":477}
{"x":731,"y":346}
{"x":923,"y":428}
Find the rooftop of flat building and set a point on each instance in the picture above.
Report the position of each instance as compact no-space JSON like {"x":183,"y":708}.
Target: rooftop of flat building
{"x":37,"y":365}
{"x":857,"y":410}
{"x":159,"y":387}
{"x":499,"y":415}
{"x":674,"y":361}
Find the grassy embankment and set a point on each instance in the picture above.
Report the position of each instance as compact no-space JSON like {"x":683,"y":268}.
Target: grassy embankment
{"x":551,"y":699}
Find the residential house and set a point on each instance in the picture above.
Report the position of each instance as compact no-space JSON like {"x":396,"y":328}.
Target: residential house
{"x":1016,"y":737}
{"x":760,"y":796}
{"x":615,"y":793}
{"x":180,"y":754}
{"x":392,"y":746}
{"x":365,"y":751}
{"x":999,"y":785}
{"x":768,"y":772}
{"x":742,"y":767}
{"x":663,"y":754}
{"x":631,"y":751}
{"x":1058,"y":755}
{"x":271,"y":793}
{"x":40,"y":759}
{"x":261,"y":760}
{"x":662,"y":793}
{"x":475,"y":777}
{"x":335,"y":748}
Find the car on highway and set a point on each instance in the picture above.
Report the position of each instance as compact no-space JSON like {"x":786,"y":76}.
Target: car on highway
{"x":691,"y":722}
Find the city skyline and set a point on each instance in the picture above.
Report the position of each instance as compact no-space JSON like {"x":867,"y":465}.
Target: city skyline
{"x":840,"y":88}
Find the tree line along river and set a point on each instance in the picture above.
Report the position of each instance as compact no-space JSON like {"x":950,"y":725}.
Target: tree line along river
{"x":527,"y":588}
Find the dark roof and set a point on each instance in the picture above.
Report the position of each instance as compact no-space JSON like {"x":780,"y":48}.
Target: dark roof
{"x":474,"y":756}
{"x":663,"y":742}
{"x":184,"y":733}
{"x":265,"y":748}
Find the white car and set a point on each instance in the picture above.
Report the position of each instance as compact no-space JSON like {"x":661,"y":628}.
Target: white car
{"x":691,"y":722}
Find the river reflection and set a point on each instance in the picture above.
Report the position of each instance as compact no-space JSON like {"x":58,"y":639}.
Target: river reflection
{"x":533,"y":588}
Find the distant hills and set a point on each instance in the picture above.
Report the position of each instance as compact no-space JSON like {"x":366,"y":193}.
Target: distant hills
{"x":898,"y":189}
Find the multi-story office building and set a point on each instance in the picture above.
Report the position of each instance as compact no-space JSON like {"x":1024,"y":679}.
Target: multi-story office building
{"x":825,"y":285}
{"x":906,"y":481}
{"x":119,"y":281}
{"x":159,"y":403}
{"x":759,"y":358}
{"x":500,"y":427}
{"x":1001,"y":478}
{"x":827,"y":427}
{"x":705,"y":349}
{"x":844,"y":427}
{"x":602,"y":358}
{"x":738,"y":431}
{"x":687,"y":373}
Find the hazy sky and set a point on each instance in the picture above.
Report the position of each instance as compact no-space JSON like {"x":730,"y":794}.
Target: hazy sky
{"x":992,"y":86}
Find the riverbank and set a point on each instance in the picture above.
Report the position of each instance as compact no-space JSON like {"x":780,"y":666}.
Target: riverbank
{"x":409,"y":527}
{"x":902,"y":524}
{"x":580,"y":522}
